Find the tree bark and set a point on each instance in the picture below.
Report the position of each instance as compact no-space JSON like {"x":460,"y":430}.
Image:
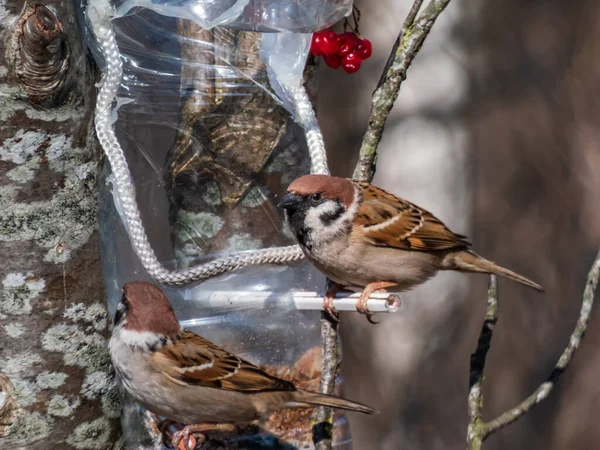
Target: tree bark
{"x":55,"y":374}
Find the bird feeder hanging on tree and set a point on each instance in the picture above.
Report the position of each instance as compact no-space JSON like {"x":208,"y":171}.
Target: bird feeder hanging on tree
{"x":205,"y":120}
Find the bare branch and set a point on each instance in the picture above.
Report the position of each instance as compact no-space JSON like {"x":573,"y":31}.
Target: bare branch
{"x":479,"y":430}
{"x":410,"y":19}
{"x":542,"y":392}
{"x":410,"y":40}
{"x":475,"y":404}
{"x":331,"y":359}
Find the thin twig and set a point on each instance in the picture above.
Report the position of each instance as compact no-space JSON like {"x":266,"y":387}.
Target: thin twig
{"x":331,"y":359}
{"x":478,"y":363}
{"x":410,"y":19}
{"x":476,"y":435}
{"x":385,"y":95}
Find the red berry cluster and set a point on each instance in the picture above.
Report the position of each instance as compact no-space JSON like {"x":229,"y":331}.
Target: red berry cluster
{"x":346,"y":50}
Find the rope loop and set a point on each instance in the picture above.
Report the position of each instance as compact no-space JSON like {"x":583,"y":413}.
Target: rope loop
{"x":123,"y":183}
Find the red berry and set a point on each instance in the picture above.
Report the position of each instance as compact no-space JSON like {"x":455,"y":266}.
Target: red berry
{"x":351,"y":62}
{"x":347,"y":43}
{"x":334,"y":61}
{"x":314,"y":44}
{"x":329,"y":43}
{"x":364,"y":48}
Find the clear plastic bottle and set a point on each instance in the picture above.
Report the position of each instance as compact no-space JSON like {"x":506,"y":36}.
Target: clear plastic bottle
{"x":211,"y":150}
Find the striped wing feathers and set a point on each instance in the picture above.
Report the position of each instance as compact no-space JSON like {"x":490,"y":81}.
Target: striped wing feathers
{"x":385,"y":220}
{"x":197,"y":361}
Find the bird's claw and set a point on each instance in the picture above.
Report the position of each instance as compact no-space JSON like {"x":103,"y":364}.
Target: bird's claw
{"x":196,"y":434}
{"x":330,"y":310}
{"x":361,"y":305}
{"x":361,"y":308}
{"x":181,"y":439}
{"x":332,"y":290}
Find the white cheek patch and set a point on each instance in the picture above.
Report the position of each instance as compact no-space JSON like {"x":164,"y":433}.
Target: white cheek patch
{"x":144,"y":339}
{"x":325,"y":228}
{"x":313,"y":215}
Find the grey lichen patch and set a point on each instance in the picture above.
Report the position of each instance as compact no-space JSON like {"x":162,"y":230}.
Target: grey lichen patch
{"x":61,"y":406}
{"x":20,"y":362}
{"x":211,"y":194}
{"x":3,"y":71}
{"x":256,"y":196}
{"x":24,"y":149}
{"x":51,"y":380}
{"x":22,"y":146}
{"x":80,"y":349}
{"x":62,"y":156}
{"x":67,"y":220}
{"x":96,"y":384}
{"x":91,"y":435}
{"x":7,"y":404}
{"x":95,"y":314}
{"x":243,"y":241}
{"x":203,"y":224}
{"x":7,"y":195}
{"x":29,"y":427}
{"x":15,"y":100}
{"x":14,"y":330}
{"x":24,"y":392}
{"x":22,"y":174}
{"x":19,"y":290}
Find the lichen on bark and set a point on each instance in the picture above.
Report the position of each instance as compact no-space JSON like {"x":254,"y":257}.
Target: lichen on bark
{"x":57,"y":389}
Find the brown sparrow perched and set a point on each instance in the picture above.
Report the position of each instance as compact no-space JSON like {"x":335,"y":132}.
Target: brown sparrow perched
{"x":179,"y":375}
{"x":361,"y":236}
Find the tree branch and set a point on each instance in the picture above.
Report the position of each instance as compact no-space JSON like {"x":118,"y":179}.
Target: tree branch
{"x":478,"y":358}
{"x":409,"y":42}
{"x":478,"y":430}
{"x":331,"y":359}
{"x":410,"y":19}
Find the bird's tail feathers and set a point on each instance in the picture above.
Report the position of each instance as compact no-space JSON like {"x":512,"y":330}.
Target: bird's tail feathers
{"x":303,"y":399}
{"x":469,"y":261}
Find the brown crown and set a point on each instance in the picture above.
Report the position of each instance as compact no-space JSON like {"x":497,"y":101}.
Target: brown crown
{"x":333,"y":188}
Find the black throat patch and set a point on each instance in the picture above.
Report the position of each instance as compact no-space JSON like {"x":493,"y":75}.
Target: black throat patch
{"x":296,"y":219}
{"x":329,"y":217}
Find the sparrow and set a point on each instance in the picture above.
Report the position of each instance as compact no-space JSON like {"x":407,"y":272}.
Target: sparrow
{"x":185,"y":378}
{"x":362,"y":237}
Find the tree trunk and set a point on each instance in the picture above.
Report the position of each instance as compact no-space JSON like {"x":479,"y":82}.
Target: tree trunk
{"x":55,"y":374}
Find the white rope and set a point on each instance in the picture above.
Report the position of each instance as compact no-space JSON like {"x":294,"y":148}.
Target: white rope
{"x":100,"y":14}
{"x":307,"y":119}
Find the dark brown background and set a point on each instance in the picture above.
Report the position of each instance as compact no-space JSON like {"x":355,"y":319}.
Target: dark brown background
{"x":496,"y":130}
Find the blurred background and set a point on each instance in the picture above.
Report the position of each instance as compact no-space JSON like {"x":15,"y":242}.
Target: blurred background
{"x":496,"y":130}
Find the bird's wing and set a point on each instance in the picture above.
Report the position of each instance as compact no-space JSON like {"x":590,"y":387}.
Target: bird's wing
{"x":385,"y":220}
{"x":196,"y":361}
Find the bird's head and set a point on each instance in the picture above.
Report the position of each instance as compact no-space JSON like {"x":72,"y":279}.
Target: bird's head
{"x":145,"y":308}
{"x":318,"y":207}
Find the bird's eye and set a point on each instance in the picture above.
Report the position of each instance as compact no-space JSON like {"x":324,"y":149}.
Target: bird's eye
{"x":315,"y":198}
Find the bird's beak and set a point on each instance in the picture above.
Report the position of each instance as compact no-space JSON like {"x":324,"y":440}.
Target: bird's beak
{"x":290,"y":201}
